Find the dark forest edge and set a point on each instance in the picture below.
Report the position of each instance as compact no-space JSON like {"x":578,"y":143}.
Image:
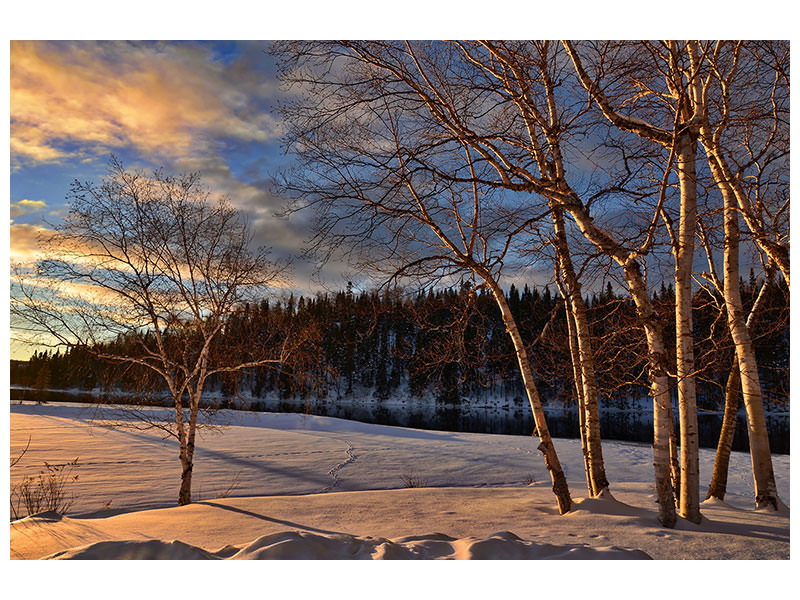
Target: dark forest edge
{"x":447,"y":349}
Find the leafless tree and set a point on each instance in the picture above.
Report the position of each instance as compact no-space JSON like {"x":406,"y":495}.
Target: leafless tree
{"x":640,"y":87}
{"x":750,"y":86}
{"x":662,"y":89}
{"x":744,"y":377}
{"x":745,"y":134}
{"x":404,"y":197}
{"x":144,"y":272}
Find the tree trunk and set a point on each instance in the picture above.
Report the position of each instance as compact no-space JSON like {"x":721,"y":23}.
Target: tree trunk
{"x":657,"y":374}
{"x":187,"y":443}
{"x":560,"y":487}
{"x":185,"y":492}
{"x":585,"y":354}
{"x":576,"y":370}
{"x":766,"y":493}
{"x":687,"y":393}
{"x":719,"y":479}
{"x":674,"y":458}
{"x":659,"y":390}
{"x":590,"y":394}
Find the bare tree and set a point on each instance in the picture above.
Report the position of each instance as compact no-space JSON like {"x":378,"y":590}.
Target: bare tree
{"x":747,"y":181}
{"x":707,"y":101}
{"x":144,"y":272}
{"x":374,"y":169}
{"x":674,"y":77}
{"x":523,"y":140}
{"x":719,"y":478}
{"x":745,"y":134}
{"x":744,"y":376}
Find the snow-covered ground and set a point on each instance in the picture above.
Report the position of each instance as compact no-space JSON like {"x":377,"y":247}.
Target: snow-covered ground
{"x":298,"y":486}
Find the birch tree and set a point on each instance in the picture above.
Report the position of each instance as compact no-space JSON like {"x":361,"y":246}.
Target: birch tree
{"x":744,"y":376}
{"x":745,"y":134}
{"x":403,"y":198}
{"x":459,"y":90}
{"x":676,"y":82}
{"x":751,"y":185}
{"x":527,"y":78}
{"x":154,"y":261}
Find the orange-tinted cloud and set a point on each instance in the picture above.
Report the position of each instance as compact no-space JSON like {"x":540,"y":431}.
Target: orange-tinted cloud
{"x":25,"y":207}
{"x":166,"y":100}
{"x":25,"y":246}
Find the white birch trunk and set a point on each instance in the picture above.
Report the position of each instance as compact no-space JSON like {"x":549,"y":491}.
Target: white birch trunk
{"x":761,"y":457}
{"x":687,"y":393}
{"x":576,"y":371}
{"x":559,"y":480}
{"x":585,"y":355}
{"x":657,"y":374}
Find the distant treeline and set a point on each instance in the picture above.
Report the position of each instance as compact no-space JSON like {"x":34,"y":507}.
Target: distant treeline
{"x":448,"y":343}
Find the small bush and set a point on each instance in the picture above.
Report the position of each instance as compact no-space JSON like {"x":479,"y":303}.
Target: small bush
{"x":46,"y":491}
{"x":410,"y":480}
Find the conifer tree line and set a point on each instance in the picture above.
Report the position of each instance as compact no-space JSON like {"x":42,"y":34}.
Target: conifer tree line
{"x":445,"y":344}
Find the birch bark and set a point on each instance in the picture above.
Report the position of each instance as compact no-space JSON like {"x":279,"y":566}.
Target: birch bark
{"x":578,"y":378}
{"x":687,"y":393}
{"x":585,"y":356}
{"x":761,"y":457}
{"x":559,"y":480}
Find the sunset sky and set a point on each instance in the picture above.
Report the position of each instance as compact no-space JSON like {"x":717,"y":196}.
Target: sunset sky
{"x":186,"y":106}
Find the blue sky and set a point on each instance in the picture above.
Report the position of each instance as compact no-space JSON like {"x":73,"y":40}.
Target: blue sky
{"x":184,"y":106}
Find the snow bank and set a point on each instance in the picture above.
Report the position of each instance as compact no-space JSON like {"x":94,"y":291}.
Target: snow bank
{"x":302,"y":545}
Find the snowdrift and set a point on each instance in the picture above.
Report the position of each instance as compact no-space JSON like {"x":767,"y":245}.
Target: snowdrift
{"x":302,"y":545}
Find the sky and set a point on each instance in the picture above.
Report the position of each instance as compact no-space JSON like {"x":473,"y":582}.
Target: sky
{"x":181,"y":106}
{"x":184,"y":106}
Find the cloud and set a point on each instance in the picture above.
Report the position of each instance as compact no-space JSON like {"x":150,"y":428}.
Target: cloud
{"x":25,"y":247}
{"x":25,"y":207}
{"x":165,"y":100}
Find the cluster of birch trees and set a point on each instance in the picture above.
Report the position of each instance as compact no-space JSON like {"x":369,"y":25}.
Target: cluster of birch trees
{"x":643,"y":161}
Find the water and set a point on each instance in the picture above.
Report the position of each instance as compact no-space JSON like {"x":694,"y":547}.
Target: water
{"x":497,"y":416}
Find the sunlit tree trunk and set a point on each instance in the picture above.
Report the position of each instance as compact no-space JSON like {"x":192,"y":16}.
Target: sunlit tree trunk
{"x":766,"y":493}
{"x":687,"y":394}
{"x":560,"y":487}
{"x":576,"y":371}
{"x":657,"y":372}
{"x":764,"y":479}
{"x":585,"y":355}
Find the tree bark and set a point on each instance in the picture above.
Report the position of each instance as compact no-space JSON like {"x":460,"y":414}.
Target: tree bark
{"x":186,"y":458}
{"x":185,"y":491}
{"x":585,"y":355}
{"x":576,"y":370}
{"x":719,"y":479}
{"x":657,"y":373}
{"x":559,"y":480}
{"x":761,"y":457}
{"x":687,"y":393}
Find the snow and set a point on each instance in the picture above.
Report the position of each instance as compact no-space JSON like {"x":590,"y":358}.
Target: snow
{"x":301,"y":486}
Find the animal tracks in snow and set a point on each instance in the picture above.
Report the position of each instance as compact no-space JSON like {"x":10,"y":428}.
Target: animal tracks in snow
{"x":334,"y":472}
